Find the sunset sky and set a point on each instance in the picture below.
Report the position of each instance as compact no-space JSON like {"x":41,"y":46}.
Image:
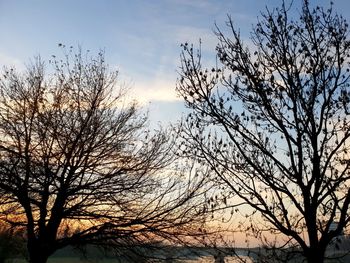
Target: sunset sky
{"x":141,"y":38}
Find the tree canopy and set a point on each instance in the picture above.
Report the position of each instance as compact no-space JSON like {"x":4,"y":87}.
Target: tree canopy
{"x":79,"y":166}
{"x":271,"y":120}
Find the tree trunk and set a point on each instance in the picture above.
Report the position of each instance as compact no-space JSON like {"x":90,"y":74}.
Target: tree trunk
{"x":315,"y":255}
{"x":38,"y":252}
{"x":38,"y":258}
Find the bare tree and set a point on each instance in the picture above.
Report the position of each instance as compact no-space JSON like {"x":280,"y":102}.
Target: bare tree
{"x":272,"y":122}
{"x":78,"y":166}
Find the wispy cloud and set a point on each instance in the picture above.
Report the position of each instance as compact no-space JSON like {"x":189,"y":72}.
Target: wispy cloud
{"x":194,"y":34}
{"x":198,"y":4}
{"x":154,"y":90}
{"x":11,"y":62}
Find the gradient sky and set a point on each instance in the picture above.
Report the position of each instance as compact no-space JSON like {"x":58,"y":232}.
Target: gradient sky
{"x":141,"y":38}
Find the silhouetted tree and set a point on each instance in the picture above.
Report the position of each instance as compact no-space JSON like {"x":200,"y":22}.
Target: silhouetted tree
{"x":78,"y":166}
{"x":272,"y":122}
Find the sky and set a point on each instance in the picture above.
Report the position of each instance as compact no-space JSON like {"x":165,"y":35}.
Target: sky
{"x":141,"y":38}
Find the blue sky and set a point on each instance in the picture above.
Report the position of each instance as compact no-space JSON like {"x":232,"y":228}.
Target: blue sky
{"x":141,"y":38}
